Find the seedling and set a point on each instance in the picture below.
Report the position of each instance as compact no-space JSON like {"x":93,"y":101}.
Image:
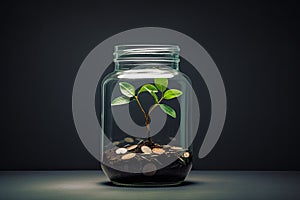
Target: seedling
{"x":160,"y":85}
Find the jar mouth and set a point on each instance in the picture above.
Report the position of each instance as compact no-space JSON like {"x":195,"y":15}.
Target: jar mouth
{"x":146,"y":52}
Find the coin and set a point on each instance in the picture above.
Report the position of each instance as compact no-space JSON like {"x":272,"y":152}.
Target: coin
{"x":146,"y":150}
{"x":158,"y":150}
{"x":115,"y":143}
{"x":121,"y":150}
{"x":131,"y":147}
{"x":186,"y":154}
{"x":128,"y":156}
{"x":128,"y":139}
{"x":176,"y":148}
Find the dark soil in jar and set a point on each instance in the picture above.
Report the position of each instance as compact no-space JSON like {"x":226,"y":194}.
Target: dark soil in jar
{"x":153,"y":164}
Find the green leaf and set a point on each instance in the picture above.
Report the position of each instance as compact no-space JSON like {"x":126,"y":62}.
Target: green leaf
{"x":168,"y":110}
{"x":151,"y":89}
{"x":120,"y":101}
{"x":172,"y":93}
{"x":127,"y":89}
{"x":148,"y":88}
{"x":161,"y":84}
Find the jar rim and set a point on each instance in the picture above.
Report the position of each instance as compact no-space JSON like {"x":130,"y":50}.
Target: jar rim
{"x":143,"y":52}
{"x":169,"y":47}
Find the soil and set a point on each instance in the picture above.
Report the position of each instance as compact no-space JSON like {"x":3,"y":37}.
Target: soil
{"x":137,"y":165}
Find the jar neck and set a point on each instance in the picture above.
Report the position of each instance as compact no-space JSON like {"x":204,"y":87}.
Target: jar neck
{"x":158,"y":56}
{"x":120,"y":66}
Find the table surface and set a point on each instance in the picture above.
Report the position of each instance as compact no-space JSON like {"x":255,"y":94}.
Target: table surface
{"x":85,"y":185}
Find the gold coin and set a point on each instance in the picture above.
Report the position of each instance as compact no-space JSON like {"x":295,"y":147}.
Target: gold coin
{"x":158,"y":150}
{"x":129,"y":139}
{"x":131,"y":147}
{"x":186,"y":154}
{"x":128,"y":156}
{"x":115,"y":143}
{"x":121,"y":150}
{"x":176,"y":148}
{"x":146,"y":150}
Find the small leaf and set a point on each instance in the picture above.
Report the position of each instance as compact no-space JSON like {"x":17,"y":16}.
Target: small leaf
{"x":127,"y":89}
{"x":168,"y":110}
{"x":172,"y":93}
{"x":120,"y":101}
{"x":148,"y":88}
{"x":161,"y":83}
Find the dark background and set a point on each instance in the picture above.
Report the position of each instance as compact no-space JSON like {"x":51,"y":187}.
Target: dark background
{"x":254,"y":45}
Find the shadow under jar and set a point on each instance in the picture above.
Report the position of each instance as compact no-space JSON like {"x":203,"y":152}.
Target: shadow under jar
{"x":145,"y":117}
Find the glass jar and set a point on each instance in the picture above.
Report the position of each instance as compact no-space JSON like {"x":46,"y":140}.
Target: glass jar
{"x":145,"y":117}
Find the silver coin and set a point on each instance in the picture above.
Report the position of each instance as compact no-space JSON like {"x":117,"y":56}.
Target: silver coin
{"x":121,"y":151}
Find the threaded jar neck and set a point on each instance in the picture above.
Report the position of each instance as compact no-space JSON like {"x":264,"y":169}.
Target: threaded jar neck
{"x":130,"y":56}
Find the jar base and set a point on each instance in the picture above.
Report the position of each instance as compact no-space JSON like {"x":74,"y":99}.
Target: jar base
{"x":148,"y":184}
{"x":167,"y":176}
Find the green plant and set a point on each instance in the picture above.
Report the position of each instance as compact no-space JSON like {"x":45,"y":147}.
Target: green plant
{"x":160,"y":85}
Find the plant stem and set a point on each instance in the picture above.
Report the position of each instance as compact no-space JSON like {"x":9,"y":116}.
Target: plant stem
{"x":148,"y":115}
{"x":145,"y":115}
{"x":154,"y":107}
{"x":139,"y":103}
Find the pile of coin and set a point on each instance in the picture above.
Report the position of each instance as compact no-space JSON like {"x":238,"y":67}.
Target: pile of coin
{"x":133,"y":153}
